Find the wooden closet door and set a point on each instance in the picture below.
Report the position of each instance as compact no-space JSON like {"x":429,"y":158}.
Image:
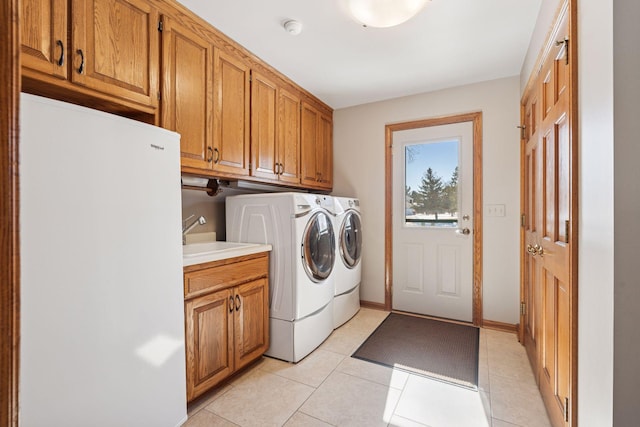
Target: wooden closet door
{"x":549,"y":188}
{"x":532,"y":163}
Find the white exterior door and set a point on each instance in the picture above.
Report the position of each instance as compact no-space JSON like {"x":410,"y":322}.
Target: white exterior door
{"x":433,"y":221}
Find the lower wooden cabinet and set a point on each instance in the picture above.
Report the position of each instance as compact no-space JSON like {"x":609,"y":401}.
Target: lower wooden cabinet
{"x":227,"y":323}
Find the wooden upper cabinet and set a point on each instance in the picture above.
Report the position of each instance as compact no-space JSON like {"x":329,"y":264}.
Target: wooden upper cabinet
{"x":43,"y":27}
{"x":264,"y":124}
{"x":187,"y":92}
{"x":289,"y":136}
{"x":316,"y":148}
{"x":115,"y":48}
{"x":324,"y":152}
{"x":231,"y":96}
{"x":275,"y":131}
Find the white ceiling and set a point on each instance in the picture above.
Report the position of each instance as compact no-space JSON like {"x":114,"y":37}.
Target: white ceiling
{"x":450,"y":43}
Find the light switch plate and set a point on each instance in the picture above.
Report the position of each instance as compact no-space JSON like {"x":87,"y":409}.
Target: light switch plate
{"x":495,"y":210}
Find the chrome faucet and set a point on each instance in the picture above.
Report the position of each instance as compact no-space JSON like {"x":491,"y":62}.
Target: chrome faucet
{"x":185,"y":229}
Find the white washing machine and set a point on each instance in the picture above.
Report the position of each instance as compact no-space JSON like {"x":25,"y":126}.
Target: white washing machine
{"x":299,"y":226}
{"x":348,"y":269}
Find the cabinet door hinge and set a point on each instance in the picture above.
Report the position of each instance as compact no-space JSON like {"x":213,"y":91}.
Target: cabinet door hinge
{"x":522,"y":129}
{"x":160,"y":26}
{"x":566,"y":231}
{"x":523,"y":220}
{"x":566,"y":409}
{"x":523,"y":308}
{"x":564,"y":42}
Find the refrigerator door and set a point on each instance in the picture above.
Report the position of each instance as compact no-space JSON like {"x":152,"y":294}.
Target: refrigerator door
{"x":102,"y":321}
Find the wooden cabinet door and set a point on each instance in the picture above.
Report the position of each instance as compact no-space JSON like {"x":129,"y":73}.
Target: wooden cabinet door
{"x":309,"y":119}
{"x":317,"y":148}
{"x":115,"y":48}
{"x":324,"y":152}
{"x":231,"y":114}
{"x":289,"y":137}
{"x":251,"y":321}
{"x":43,"y":26}
{"x":209,"y":346}
{"x":187,"y":92}
{"x":264,"y":121}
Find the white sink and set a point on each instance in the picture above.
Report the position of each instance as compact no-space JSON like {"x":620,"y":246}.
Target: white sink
{"x":196,"y":249}
{"x":198,"y":253}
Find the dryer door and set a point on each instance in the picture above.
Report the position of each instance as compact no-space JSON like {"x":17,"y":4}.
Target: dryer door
{"x":318,"y":245}
{"x":351,"y":239}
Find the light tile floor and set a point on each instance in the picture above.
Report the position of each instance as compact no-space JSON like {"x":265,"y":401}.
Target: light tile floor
{"x":330,"y":388}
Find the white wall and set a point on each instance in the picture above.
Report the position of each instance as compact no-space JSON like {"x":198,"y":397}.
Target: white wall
{"x":596,"y":205}
{"x":626,"y":90}
{"x":359,"y":171}
{"x":548,"y":10}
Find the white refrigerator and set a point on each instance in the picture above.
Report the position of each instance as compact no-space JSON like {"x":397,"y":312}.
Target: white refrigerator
{"x":102,"y":320}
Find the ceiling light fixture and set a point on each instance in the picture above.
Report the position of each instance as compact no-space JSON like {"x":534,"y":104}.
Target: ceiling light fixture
{"x":384,"y":13}
{"x":292,"y":27}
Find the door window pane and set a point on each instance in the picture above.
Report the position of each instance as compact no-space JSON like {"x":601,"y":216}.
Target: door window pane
{"x":431,"y":184}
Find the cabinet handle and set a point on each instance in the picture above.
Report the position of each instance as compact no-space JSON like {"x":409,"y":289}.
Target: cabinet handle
{"x":281,"y":168}
{"x":81,"y":67}
{"x":237,"y":302}
{"x":231,"y":304}
{"x":217,"y":159}
{"x":276,"y":167}
{"x":210,"y":150}
{"x":61,"y":58}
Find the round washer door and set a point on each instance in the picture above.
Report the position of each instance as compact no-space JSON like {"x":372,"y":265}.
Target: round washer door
{"x":318,"y":245}
{"x":351,"y":240}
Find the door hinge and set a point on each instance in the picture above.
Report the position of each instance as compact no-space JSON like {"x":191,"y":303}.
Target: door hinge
{"x":566,"y":409}
{"x":566,"y":231}
{"x":523,"y":220}
{"x":160,"y":26}
{"x":522,"y":129}
{"x":564,"y":42}
{"x":523,"y":308}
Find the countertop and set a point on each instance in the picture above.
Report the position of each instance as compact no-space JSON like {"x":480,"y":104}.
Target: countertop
{"x":200,"y":253}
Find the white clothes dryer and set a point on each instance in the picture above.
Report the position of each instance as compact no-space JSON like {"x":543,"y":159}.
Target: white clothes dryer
{"x":299,"y":227}
{"x":348,"y":269}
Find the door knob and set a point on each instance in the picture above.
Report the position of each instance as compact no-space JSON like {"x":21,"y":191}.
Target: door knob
{"x":464,"y":231}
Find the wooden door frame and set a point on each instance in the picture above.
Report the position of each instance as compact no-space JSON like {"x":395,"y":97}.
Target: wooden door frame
{"x":9,"y":214}
{"x":476,"y":119}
